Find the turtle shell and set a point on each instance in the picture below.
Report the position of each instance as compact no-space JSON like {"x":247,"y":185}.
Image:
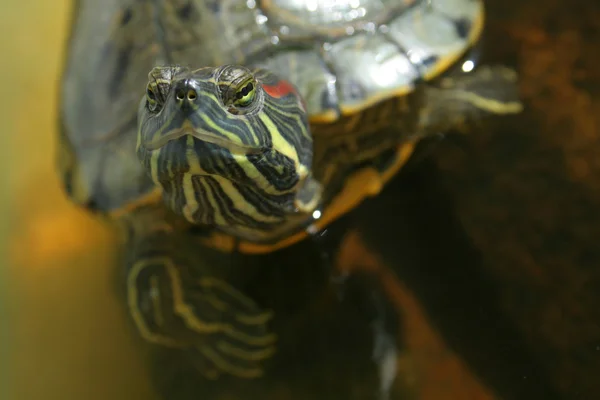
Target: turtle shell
{"x":343,"y":57}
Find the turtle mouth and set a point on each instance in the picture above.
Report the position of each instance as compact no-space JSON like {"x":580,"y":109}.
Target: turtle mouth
{"x":202,"y":135}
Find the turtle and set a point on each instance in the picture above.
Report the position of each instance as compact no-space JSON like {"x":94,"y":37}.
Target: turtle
{"x":247,"y":126}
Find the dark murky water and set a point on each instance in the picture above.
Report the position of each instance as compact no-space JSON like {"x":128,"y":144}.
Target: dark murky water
{"x":475,"y":275}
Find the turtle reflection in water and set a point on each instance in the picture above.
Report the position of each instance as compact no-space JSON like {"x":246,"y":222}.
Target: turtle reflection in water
{"x":260,"y":123}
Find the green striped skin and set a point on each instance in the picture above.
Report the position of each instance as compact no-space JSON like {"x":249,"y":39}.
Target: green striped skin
{"x":231,"y":148}
{"x":179,"y":296}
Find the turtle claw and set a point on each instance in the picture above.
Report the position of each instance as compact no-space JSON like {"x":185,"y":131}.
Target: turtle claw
{"x":242,"y":341}
{"x":224,"y":331}
{"x":233,"y":359}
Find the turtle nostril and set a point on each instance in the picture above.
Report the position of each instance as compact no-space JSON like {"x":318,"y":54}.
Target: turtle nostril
{"x":183,"y":94}
{"x":186,"y":93}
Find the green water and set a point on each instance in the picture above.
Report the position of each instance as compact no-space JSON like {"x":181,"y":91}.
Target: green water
{"x":66,"y":331}
{"x":497,"y":275}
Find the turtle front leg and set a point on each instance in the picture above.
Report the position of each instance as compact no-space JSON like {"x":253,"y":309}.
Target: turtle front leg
{"x":461,"y":102}
{"x":175,"y":301}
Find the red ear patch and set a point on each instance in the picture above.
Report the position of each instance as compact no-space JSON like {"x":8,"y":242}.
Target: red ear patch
{"x":281,"y":89}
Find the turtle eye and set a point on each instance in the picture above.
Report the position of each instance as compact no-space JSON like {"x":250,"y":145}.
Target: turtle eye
{"x":238,"y":88}
{"x":151,"y":100}
{"x":245,"y":94}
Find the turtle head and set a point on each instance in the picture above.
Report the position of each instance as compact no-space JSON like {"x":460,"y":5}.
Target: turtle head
{"x":230,"y":147}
